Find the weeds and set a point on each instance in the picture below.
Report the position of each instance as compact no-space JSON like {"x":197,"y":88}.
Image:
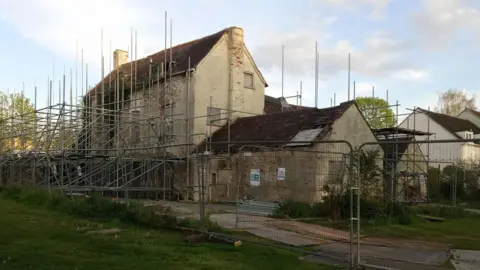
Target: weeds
{"x":372,"y":212}
{"x":93,"y":207}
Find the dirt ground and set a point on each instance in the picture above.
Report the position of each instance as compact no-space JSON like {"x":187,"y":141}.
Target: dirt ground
{"x":400,"y":253}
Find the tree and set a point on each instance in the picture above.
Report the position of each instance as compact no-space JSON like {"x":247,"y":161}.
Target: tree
{"x":454,"y":101}
{"x":17,"y":122}
{"x":376,"y":111}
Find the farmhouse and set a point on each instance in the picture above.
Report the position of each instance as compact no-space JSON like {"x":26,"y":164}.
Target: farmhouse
{"x":471,"y":115}
{"x":444,"y":127}
{"x":278,"y":167}
{"x":168,"y":98}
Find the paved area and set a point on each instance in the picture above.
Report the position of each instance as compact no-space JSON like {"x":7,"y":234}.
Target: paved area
{"x":415,"y":256}
{"x":259,"y":226}
{"x":189,"y":210}
{"x":371,"y":263}
{"x":332,"y":245}
{"x":465,"y":259}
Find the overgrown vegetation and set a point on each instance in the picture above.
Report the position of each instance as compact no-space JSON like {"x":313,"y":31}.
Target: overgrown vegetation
{"x":370,"y":211}
{"x":39,"y":238}
{"x":465,"y":179}
{"x":94,"y":207}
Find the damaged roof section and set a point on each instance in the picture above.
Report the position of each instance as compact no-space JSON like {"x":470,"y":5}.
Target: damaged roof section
{"x":271,"y":128}
{"x":274,"y":105}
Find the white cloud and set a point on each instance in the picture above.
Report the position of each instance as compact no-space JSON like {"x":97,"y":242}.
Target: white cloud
{"x":411,"y":74}
{"x":329,"y":20}
{"x":440,"y":22}
{"x":376,"y":9}
{"x":380,"y":55}
{"x":364,"y":89}
{"x":58,"y":24}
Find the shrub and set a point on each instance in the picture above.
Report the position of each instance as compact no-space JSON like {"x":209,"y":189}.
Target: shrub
{"x":293,"y":209}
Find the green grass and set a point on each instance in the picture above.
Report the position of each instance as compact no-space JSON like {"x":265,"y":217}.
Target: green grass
{"x":461,"y":233}
{"x":38,"y":238}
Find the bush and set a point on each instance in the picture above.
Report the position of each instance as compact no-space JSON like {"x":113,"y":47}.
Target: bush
{"x":293,"y":209}
{"x":339,"y":208}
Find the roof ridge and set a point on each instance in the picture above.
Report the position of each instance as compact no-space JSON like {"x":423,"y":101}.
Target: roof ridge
{"x":196,"y":49}
{"x":180,"y":45}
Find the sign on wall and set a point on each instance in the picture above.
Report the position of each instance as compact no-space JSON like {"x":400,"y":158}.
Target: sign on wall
{"x":255,"y":177}
{"x":281,"y":174}
{"x":421,"y":179}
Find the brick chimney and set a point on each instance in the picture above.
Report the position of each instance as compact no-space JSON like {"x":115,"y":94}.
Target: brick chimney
{"x":120,"y":57}
{"x":235,"y":54}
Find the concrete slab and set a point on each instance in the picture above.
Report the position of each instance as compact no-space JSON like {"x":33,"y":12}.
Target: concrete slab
{"x":260,"y":229}
{"x":370,"y":264}
{"x":424,"y":257}
{"x":466,"y":259}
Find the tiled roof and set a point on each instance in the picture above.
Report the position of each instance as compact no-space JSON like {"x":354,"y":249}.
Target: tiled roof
{"x":196,"y":50}
{"x":451,"y":123}
{"x":281,"y":126}
{"x":274,"y":105}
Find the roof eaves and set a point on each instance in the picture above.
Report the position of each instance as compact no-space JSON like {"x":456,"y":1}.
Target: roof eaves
{"x":249,"y":55}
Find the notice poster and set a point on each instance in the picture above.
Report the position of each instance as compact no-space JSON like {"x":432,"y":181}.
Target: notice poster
{"x":421,"y":179}
{"x":281,"y":174}
{"x":255,"y":177}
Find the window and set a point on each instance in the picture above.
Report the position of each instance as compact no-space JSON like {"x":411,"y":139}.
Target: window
{"x":336,"y":171}
{"x":468,"y":135}
{"x":248,"y":80}
{"x":214,"y":179}
{"x":213,"y":115}
{"x":169,"y":109}
{"x":136,"y":126}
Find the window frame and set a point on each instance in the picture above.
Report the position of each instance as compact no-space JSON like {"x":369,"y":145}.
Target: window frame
{"x":213,"y":179}
{"x":214,"y":118}
{"x":334,"y":176}
{"x":245,"y":73}
{"x":136,"y":127}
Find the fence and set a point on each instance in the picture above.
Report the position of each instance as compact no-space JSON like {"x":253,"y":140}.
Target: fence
{"x":321,"y":193}
{"x":418,"y":179}
{"x":289,"y":193}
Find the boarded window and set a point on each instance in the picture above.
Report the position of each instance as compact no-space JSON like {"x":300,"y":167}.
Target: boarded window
{"x":169,"y":109}
{"x":136,"y":126}
{"x":248,"y":80}
{"x":336,"y":171}
{"x":214,"y":115}
{"x":214,"y":179}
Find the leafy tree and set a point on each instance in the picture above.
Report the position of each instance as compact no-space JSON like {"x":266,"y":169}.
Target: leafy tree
{"x":454,"y":101}
{"x":376,"y":111}
{"x":17,"y":122}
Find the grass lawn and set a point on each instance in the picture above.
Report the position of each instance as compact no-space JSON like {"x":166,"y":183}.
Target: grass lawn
{"x":35,"y":238}
{"x":461,"y":233}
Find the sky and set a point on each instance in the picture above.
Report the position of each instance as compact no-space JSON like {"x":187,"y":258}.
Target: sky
{"x":412,"y":48}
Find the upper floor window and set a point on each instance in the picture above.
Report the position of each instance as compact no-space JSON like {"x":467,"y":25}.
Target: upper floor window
{"x":248,"y":80}
{"x":468,"y":135}
{"x":136,"y":127}
{"x":214,"y":115}
{"x":169,"y":109}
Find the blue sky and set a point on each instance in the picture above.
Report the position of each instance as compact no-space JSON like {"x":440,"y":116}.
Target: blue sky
{"x":413,"y":48}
